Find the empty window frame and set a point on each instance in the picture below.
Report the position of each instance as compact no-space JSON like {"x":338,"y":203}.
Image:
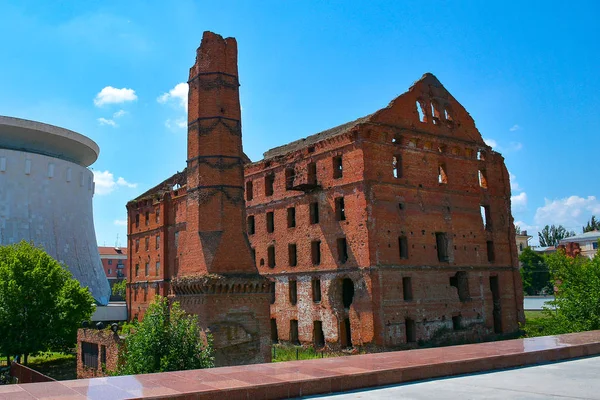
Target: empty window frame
{"x":147,"y":269}
{"x":293,"y":291}
{"x":407,"y":291}
{"x":314,"y":212}
{"x":311,"y":173}
{"x":270,"y":222}
{"x":490,"y":251}
{"x":441,"y":241}
{"x":460,"y":281}
{"x":147,"y":218}
{"x":271,"y":256}
{"x":483,"y":182}
{"x":147,"y":243}
{"x":291,"y":217}
{"x":411,"y":334}
{"x":316,"y":290}
{"x":396,"y":139}
{"x":272,"y":291}
{"x":250,"y":225}
{"x":274,"y":335}
{"x":292,"y":254}
{"x":269,"y":183}
{"x":397,"y":166}
{"x":342,"y":247}
{"x":442,"y":174}
{"x":338,"y":167}
{"x":157,"y":214}
{"x":318,"y":336}
{"x":340,"y":209}
{"x":294,"y":331}
{"x":137,"y":220}
{"x":137,"y":245}
{"x":158,"y":241}
{"x":157,"y":267}
{"x":290,"y":175}
{"x":456,"y":322}
{"x":249,"y":191}
{"x":403,"y":247}
{"x":485,"y":217}
{"x":137,"y":269}
{"x":315,"y":252}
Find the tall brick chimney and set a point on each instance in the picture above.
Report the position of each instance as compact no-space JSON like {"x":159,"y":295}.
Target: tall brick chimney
{"x":217,"y":278}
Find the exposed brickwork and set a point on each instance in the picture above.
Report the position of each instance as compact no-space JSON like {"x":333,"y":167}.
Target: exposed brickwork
{"x":372,"y":232}
{"x":107,"y":350}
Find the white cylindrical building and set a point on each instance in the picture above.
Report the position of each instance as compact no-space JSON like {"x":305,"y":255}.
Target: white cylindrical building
{"x":46,"y":195}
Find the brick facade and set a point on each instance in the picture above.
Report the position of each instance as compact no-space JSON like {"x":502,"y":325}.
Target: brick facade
{"x":391,"y":229}
{"x":97,"y":352}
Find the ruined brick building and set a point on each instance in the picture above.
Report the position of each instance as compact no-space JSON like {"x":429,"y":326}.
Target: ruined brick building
{"x":388,"y":230}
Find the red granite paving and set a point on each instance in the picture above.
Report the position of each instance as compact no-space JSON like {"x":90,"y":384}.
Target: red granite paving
{"x":326,"y":375}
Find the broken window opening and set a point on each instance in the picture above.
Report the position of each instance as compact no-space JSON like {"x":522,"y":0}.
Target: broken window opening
{"x":342,"y":247}
{"x":491,"y":256}
{"x":293,"y":289}
{"x":407,"y":292}
{"x":312,"y":173}
{"x":420,"y":111}
{"x":460,"y":281}
{"x":269,"y":183}
{"x":338,"y":168}
{"x":397,"y":139}
{"x":157,"y":240}
{"x":271,"y":256}
{"x":441,"y":148}
{"x":270,"y":222}
{"x":447,"y":115}
{"x":294,"y":332}
{"x":428,"y":146}
{"x":315,"y":251}
{"x":346,"y":334}
{"x":272,"y":292}
{"x":290,"y":175}
{"x":435,"y":112}
{"x":347,"y":292}
{"x":483,"y":182}
{"x":469,"y":153}
{"x":411,"y":334}
{"x":274,"y":335}
{"x":292,"y":254}
{"x":316,"y":290}
{"x":456,"y":322}
{"x":340,"y":211}
{"x":412,"y":143}
{"x":250,"y":225}
{"x":403,"y":247}
{"x":485,"y":217}
{"x":318,"y":336}
{"x":147,"y":218}
{"x":157,"y":215}
{"x":291,"y":217}
{"x":314,"y":213}
{"x":249,"y":193}
{"x":147,"y":269}
{"x":442,"y":176}
{"x":497,"y":309}
{"x":137,"y":220}
{"x":397,"y":166}
{"x":441,"y":241}
{"x":481,"y":155}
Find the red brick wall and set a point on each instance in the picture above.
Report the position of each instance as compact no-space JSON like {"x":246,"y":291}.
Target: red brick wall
{"x":103,"y":338}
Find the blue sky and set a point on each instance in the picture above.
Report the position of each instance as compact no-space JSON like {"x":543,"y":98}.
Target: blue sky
{"x":528,"y":72}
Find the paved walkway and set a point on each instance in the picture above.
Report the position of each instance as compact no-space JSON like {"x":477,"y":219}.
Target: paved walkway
{"x":577,"y":379}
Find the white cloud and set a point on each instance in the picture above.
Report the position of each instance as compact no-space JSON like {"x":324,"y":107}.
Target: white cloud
{"x":514,"y":185}
{"x":178,"y":94}
{"x":105,"y":182}
{"x":491,"y":142}
{"x":519,"y":202}
{"x":515,"y":146}
{"x":120,"y":222}
{"x":119,"y":114}
{"x":515,"y":127}
{"x":104,"y":121}
{"x":572,"y":212}
{"x":178,"y":123}
{"x":111,"y":95}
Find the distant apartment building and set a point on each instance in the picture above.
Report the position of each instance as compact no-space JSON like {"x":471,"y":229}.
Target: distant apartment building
{"x":114,"y":260}
{"x":588,"y":242}
{"x":522,"y":241}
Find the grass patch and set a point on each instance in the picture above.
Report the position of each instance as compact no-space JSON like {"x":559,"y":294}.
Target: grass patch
{"x":59,"y":366}
{"x":282,"y":352}
{"x":532,"y":315}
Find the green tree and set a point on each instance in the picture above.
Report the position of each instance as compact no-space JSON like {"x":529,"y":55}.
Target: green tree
{"x":517,"y":229}
{"x":551,"y":235}
{"x":167,"y":339}
{"x":592,"y":225}
{"x":41,"y":305}
{"x":535,"y":273}
{"x":119,"y":288}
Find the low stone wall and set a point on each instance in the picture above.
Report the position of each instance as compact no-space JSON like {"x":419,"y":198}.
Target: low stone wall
{"x":23,"y":374}
{"x":97,"y":352}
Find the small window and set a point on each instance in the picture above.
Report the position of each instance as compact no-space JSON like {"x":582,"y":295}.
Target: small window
{"x":342,"y":247}
{"x":292,"y":254}
{"x":157,"y":267}
{"x":315,"y":251}
{"x":147,"y":243}
{"x":442,"y":175}
{"x":490,"y":251}
{"x":340,"y":210}
{"x":157,"y":215}
{"x":397,"y":166}
{"x":271,"y":256}
{"x":137,"y":220}
{"x":428,"y":146}
{"x":420,"y":112}
{"x":481,"y":155}
{"x":250,"y":225}
{"x":249,"y":189}
{"x":441,"y":241}
{"x":109,"y":271}
{"x":469,"y":153}
{"x":290,"y":175}
{"x":158,"y":241}
{"x":483,"y":179}
{"x":270,"y":222}
{"x":177,"y":239}
{"x":109,"y":262}
{"x":89,"y":355}
{"x":253,"y":254}
{"x":274,"y":334}
{"x":456,"y":322}
{"x":403,"y":247}
{"x":137,"y":269}
{"x":312,"y":173}
{"x":147,"y":269}
{"x":411,"y":335}
{"x":338,"y":168}
{"x":316,"y":290}
{"x":272,"y":291}
{"x":293,"y":292}
{"x":412,"y":143}
{"x":147,"y":218}
{"x":269,"y":182}
{"x":314,"y":213}
{"x":396,"y":139}
{"x":291,"y":217}
{"x":407,"y":288}
{"x":137,"y":245}
{"x":460,"y":281}
{"x":521,"y":246}
{"x":485,"y":216}
{"x":318,"y":335}
{"x":294,"y":327}
{"x":595,"y":245}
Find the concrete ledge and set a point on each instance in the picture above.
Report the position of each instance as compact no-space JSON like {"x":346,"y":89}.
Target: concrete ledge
{"x":328,"y":375}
